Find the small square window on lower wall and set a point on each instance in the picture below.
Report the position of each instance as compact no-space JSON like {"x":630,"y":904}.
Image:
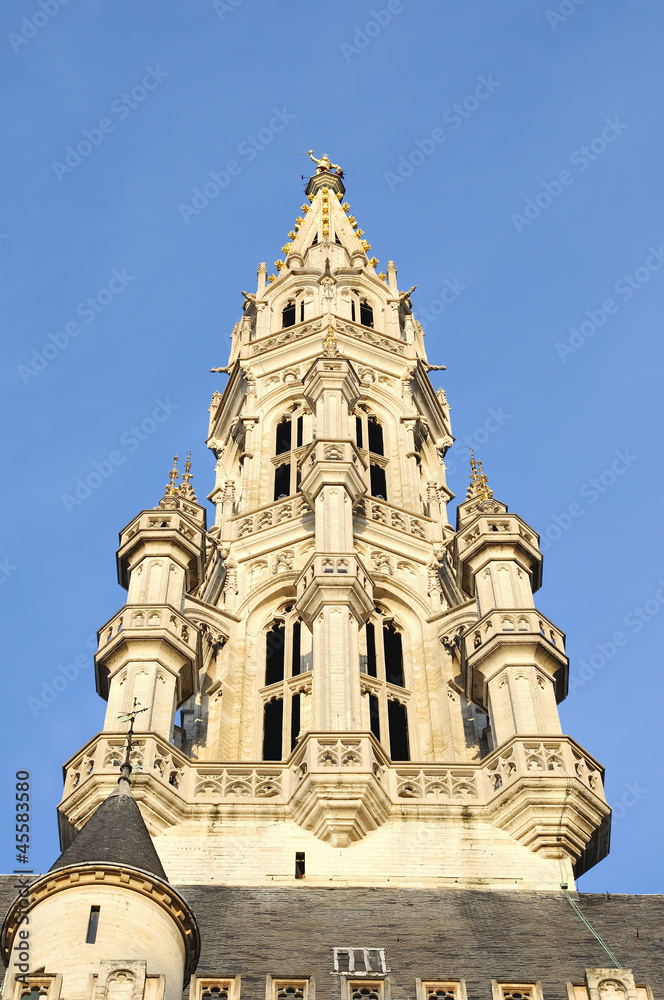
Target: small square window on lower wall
{"x":214,"y":988}
{"x":288,"y":989}
{"x":444,"y":989}
{"x":516,"y":991}
{"x":363,"y":990}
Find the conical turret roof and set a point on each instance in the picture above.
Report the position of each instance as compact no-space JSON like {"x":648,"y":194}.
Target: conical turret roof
{"x":115,"y":834}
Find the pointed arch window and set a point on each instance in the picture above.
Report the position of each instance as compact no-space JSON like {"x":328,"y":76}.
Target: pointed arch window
{"x":284,"y":697}
{"x":382,"y":664}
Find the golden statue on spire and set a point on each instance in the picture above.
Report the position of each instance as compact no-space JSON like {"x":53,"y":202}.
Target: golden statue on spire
{"x":324,"y":164}
{"x":479,"y":484}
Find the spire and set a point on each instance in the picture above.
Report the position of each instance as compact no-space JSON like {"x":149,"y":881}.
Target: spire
{"x":171,"y":488}
{"x":479,"y":484}
{"x":186,"y":490}
{"x":326,"y":222}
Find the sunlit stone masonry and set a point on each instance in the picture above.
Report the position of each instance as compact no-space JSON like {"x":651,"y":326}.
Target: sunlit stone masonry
{"x":332,"y":760}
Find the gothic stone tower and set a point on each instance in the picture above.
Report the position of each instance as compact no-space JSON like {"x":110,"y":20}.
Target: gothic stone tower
{"x":367,"y":694}
{"x":358,"y":682}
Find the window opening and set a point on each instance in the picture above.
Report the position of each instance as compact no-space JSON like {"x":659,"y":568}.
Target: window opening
{"x":398,"y":725}
{"x":299,"y":864}
{"x":360,"y":960}
{"x":393,"y":649}
{"x":336,"y":239}
{"x":302,"y":311}
{"x":215,"y":993}
{"x":366,"y":314}
{"x":376,"y":444}
{"x":282,"y":481}
{"x":284,"y":436}
{"x":378,"y":482}
{"x":315,"y":240}
{"x":288,"y":314}
{"x":299,"y":434}
{"x":295,"y":659}
{"x":365,"y":993}
{"x":274,"y":653}
{"x":371,"y":649}
{"x":273,"y":721}
{"x":93,"y":923}
{"x":358,"y":432}
{"x":295,"y":720}
{"x":374,"y":716}
{"x":352,"y":310}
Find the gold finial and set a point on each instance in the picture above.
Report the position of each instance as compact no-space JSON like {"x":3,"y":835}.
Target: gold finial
{"x":186,"y":490}
{"x":172,"y":476}
{"x":373,"y":261}
{"x":479,"y":484}
{"x":382,"y":276}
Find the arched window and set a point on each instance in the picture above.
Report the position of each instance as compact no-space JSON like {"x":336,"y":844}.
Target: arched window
{"x":284,"y":436}
{"x":289,"y":436}
{"x":376,"y":444}
{"x":288,"y":314}
{"x":393,"y":653}
{"x":382,"y":662}
{"x":274,"y":653}
{"x":287,"y":656}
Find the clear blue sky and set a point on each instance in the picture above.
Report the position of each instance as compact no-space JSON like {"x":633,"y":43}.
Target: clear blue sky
{"x":537,"y":201}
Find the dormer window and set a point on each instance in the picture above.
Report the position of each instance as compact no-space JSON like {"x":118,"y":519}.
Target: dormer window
{"x":288,"y":314}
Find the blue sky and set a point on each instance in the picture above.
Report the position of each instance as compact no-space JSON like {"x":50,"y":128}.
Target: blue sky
{"x":539,"y":202}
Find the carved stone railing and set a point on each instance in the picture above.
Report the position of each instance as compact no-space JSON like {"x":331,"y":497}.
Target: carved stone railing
{"x":384,"y":513}
{"x":134,"y":618}
{"x":271,"y":515}
{"x":525,"y":623}
{"x":547,"y":792}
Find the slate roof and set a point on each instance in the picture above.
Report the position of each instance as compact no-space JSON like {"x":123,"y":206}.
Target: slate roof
{"x":430,"y":934}
{"x":427,"y":934}
{"x":115,"y":833}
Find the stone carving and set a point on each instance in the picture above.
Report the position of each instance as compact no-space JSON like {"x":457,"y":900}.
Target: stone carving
{"x":283,"y":563}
